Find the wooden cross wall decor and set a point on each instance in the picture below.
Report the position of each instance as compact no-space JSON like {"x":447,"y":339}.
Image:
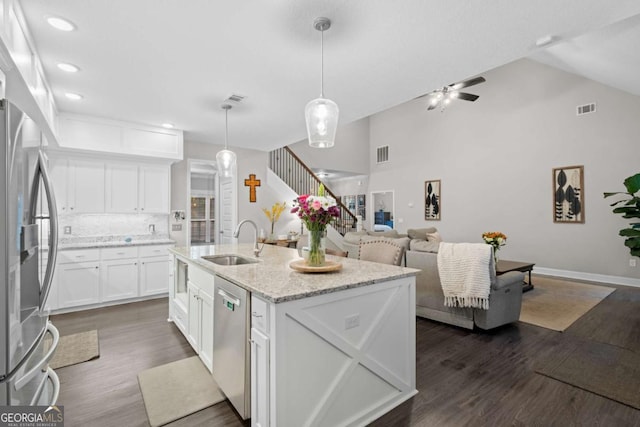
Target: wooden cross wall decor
{"x":252,"y":183}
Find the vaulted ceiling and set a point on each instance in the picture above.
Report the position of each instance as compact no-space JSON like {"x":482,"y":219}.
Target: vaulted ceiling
{"x":156,"y":61}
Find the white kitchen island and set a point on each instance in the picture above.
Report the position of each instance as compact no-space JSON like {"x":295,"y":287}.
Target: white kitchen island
{"x":331,"y":349}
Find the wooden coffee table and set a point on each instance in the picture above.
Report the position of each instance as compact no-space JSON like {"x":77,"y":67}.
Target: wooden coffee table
{"x":505,"y":266}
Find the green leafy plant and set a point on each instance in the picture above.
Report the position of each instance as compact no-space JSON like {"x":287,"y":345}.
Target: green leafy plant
{"x":630,"y":209}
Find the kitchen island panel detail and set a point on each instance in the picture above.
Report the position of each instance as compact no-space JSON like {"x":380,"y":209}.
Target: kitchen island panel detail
{"x":345,"y":358}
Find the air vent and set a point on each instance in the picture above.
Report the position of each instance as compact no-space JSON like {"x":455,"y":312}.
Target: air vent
{"x":586,"y":108}
{"x":235,"y":98}
{"x":383,"y":154}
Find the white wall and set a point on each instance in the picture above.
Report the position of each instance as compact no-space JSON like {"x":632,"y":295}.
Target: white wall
{"x":249,"y":162}
{"x":348,"y":153}
{"x":495,"y":159}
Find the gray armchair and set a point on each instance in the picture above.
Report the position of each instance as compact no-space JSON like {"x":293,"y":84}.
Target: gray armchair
{"x":505,"y":298}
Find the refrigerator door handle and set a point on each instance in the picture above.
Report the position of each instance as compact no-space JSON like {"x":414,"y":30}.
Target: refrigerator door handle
{"x":55,"y":393}
{"x":41,"y":171}
{"x":56,"y":385}
{"x":20,"y":382}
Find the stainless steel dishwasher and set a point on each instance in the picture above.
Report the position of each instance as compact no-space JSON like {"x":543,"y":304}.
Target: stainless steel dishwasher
{"x":231,"y":351}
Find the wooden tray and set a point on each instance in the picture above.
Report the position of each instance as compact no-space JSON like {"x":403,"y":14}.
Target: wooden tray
{"x":301,"y":266}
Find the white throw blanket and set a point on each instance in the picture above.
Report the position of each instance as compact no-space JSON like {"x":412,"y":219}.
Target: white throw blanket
{"x":464,"y":274}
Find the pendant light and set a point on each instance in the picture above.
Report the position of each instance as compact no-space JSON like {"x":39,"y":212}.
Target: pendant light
{"x":321,"y":114}
{"x":226,"y":159}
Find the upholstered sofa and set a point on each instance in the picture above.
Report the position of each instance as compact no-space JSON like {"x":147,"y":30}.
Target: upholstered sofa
{"x":505,"y":297}
{"x":352,"y":240}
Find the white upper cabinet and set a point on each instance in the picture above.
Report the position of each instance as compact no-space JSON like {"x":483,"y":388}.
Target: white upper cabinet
{"x":122,"y":188}
{"x":153,"y":192}
{"x":143,"y":189}
{"x":78,"y":185}
{"x":85,"y":192}
{"x":117,"y":137}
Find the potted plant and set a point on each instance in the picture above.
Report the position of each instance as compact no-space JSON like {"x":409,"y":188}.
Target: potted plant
{"x":630,"y":209}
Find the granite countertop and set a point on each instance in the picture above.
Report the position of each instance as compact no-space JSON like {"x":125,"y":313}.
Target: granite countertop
{"x":272,"y":279}
{"x":112,"y":243}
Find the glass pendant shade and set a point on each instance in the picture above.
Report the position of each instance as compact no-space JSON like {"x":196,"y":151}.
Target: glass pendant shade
{"x":226,"y":160}
{"x":321,"y":115}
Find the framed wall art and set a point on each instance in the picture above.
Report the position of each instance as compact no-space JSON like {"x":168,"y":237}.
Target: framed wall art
{"x":432,"y":200}
{"x":568,"y":194}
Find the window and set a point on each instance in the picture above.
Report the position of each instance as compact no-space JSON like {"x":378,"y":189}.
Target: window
{"x":202,"y":219}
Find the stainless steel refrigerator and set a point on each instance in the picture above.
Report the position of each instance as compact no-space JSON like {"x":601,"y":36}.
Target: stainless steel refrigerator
{"x":28,"y":235}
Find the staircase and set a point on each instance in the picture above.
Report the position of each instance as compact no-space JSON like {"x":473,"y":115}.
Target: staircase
{"x":286,"y":165}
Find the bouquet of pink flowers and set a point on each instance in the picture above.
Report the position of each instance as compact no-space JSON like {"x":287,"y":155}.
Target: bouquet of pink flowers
{"x":316,"y":211}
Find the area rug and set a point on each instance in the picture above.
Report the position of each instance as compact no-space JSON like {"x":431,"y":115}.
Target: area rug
{"x":75,"y":348}
{"x":556,"y":304}
{"x":177,"y":389}
{"x":609,"y":371}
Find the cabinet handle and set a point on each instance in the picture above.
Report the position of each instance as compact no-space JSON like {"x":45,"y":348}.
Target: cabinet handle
{"x":79,"y":256}
{"x":63,"y":208}
{"x":71,"y":208}
{"x":97,"y":267}
{"x":141,"y":209}
{"x":119,"y":253}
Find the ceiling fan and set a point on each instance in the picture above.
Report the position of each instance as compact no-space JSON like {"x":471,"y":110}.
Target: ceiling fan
{"x":442,"y":97}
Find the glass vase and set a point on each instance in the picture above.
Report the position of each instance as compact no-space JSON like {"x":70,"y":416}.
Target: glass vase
{"x":316,"y":248}
{"x":495,"y":257}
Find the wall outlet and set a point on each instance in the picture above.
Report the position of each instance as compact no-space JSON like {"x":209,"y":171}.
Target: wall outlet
{"x":176,"y":227}
{"x":352,"y":321}
{"x":67,"y":229}
{"x":632,"y":262}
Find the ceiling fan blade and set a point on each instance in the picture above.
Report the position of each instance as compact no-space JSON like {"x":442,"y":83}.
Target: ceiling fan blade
{"x":467,"y":96}
{"x":467,"y":83}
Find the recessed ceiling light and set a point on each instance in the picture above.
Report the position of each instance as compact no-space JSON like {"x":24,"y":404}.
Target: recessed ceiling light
{"x":60,"y":24}
{"x":69,"y":68}
{"x":167,"y":125}
{"x":73,"y":96}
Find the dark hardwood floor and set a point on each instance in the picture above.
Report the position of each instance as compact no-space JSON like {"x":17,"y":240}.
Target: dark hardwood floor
{"x":464,"y":378}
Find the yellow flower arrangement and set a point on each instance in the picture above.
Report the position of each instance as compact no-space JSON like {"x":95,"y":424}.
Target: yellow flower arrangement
{"x":495,"y":239}
{"x":274,"y":214}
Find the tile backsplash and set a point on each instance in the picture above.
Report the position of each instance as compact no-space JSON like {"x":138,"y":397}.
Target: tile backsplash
{"x":113,"y":226}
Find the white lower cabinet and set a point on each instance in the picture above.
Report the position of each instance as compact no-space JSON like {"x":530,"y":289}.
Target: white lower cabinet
{"x":260,"y":394}
{"x":156,"y":269}
{"x":200,"y":314}
{"x":86,"y":277}
{"x":119,"y":279}
{"x":206,"y":329}
{"x":78,"y":284}
{"x":259,"y":379}
{"x":193,"y":323}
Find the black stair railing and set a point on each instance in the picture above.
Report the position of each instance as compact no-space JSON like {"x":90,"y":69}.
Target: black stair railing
{"x":284,"y":163}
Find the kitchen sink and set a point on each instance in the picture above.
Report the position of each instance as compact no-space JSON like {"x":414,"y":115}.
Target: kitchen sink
{"x":229,"y":259}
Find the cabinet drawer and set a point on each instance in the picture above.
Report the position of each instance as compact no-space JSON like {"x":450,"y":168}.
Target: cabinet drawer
{"x":155,"y":250}
{"x":119,"y":253}
{"x":78,"y":255}
{"x":259,"y":315}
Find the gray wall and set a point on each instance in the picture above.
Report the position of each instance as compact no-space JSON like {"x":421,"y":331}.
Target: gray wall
{"x":495,"y":159}
{"x":348,"y":153}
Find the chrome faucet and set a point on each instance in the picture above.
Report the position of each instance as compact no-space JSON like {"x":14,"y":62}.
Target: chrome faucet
{"x":256,"y":250}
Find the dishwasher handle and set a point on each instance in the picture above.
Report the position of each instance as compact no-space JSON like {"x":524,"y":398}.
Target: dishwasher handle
{"x":229,"y":301}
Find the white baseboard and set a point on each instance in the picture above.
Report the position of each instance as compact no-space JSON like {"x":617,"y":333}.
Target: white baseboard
{"x":591,"y":277}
